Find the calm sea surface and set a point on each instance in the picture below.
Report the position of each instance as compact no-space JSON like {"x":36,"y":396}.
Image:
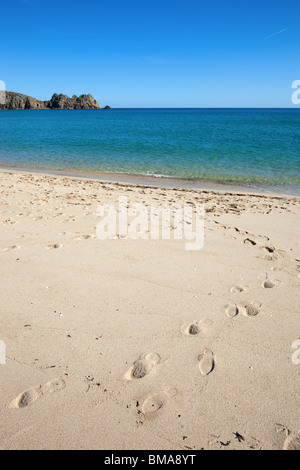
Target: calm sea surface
{"x":250,"y":147}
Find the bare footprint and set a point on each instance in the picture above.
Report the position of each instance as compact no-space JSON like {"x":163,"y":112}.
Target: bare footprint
{"x":232,"y":310}
{"x":12,"y":248}
{"x":251,"y":310}
{"x":269,"y":284}
{"x":53,"y":386}
{"x":33,"y":394}
{"x":206,"y":362}
{"x":292,"y":442}
{"x":26,"y":398}
{"x":143,"y":366}
{"x":155,"y":402}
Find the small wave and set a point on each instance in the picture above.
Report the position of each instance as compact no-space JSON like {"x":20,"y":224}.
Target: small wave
{"x":157,"y":175}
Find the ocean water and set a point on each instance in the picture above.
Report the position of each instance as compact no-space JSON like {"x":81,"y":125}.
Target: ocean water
{"x":259,"y":148}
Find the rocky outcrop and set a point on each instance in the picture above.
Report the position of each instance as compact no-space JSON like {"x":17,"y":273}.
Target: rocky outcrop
{"x":107,"y":107}
{"x":76,"y":102}
{"x":18,"y":101}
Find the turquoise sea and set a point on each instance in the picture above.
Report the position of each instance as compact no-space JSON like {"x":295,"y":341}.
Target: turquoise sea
{"x":259,"y":148}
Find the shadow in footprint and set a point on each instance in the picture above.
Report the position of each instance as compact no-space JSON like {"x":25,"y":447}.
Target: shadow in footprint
{"x":248,"y":241}
{"x":251,"y":310}
{"x":143,"y":366}
{"x":192,"y":329}
{"x":269,"y":284}
{"x":232,"y":310}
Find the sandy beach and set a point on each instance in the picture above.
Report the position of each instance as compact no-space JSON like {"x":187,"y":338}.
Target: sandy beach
{"x":142,"y":344}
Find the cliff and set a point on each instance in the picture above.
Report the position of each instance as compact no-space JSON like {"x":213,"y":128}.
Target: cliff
{"x":19,"y":101}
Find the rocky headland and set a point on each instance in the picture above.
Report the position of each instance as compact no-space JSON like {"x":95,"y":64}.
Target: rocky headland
{"x":18,"y":101}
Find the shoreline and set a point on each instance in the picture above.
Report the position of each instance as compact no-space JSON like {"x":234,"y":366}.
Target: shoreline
{"x":153,"y":181}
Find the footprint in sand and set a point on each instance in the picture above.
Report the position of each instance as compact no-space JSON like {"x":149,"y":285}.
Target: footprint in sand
{"x":9,"y":222}
{"x":292,"y":442}
{"x":270,"y":249}
{"x":232,"y":310}
{"x":54,"y":246}
{"x":33,"y":394}
{"x":153,"y":403}
{"x":206,"y":362}
{"x":251,"y":310}
{"x":12,"y":248}
{"x":266,"y":282}
{"x":192,"y":329}
{"x":84,"y":237}
{"x":26,"y":398}
{"x":249,"y":241}
{"x":237,"y":289}
{"x":143,"y":366}
{"x":53,"y":386}
{"x":269,"y":284}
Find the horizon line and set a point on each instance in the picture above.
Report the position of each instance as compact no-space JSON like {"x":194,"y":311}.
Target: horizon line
{"x":155,"y":107}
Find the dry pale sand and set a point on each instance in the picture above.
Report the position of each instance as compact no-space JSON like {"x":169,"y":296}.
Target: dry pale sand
{"x":141,"y":344}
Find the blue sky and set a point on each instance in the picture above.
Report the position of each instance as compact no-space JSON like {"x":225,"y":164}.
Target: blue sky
{"x":153,"y":53}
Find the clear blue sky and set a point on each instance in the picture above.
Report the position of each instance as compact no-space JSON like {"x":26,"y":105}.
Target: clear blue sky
{"x":153,"y":53}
